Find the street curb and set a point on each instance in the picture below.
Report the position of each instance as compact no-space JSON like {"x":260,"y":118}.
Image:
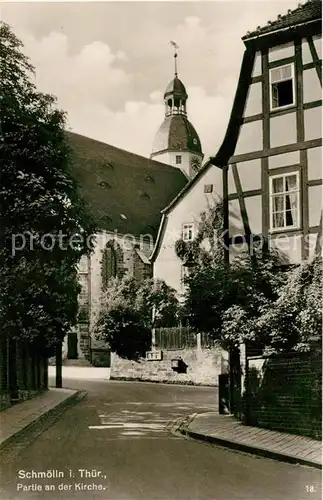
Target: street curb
{"x":59,"y":409}
{"x":166,"y":382}
{"x":183,"y":429}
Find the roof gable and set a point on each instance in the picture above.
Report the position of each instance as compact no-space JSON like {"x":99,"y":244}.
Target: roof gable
{"x":125,"y":192}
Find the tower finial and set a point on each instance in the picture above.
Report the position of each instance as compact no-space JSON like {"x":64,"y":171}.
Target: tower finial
{"x":174,"y":44}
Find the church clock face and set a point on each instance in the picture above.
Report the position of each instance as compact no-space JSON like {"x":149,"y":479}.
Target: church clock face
{"x":195,"y":163}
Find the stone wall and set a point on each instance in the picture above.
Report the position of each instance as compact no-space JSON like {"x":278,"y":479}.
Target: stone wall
{"x":203,"y":367}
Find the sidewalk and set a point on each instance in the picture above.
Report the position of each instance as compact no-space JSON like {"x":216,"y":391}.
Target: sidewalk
{"x":225,"y":430}
{"x":81,"y":372}
{"x":17,"y":418}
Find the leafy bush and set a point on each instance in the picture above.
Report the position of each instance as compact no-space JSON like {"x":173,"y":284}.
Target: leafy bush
{"x":130,"y":310}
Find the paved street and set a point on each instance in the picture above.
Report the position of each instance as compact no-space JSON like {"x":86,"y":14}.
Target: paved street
{"x":114,"y":445}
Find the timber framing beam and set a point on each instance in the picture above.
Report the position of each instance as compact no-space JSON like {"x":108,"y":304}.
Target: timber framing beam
{"x":245,"y":194}
{"x":316,"y":59}
{"x":288,"y":148}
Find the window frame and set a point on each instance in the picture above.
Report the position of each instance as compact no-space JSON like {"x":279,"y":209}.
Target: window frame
{"x":272,"y":194}
{"x":183,"y":230}
{"x":178,"y":157}
{"x":286,"y":106}
{"x":208,"y":188}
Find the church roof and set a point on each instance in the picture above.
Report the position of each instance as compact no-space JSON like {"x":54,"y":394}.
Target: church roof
{"x":310,"y":11}
{"x":125,"y":192}
{"x":176,"y":133}
{"x":176,"y":87}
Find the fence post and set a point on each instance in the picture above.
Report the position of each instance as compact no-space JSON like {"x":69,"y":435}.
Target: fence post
{"x":153,"y":330}
{"x":247,"y":395}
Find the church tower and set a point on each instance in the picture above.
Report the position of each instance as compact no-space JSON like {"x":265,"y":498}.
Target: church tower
{"x":177,"y":142}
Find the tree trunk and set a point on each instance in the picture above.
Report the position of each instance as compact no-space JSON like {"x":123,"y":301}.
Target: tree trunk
{"x":12,"y":360}
{"x":37,"y":367}
{"x":33,"y":384}
{"x":3,"y":365}
{"x":45,"y":372}
{"x":20,"y":368}
{"x":235,"y":381}
{"x":4,"y":389}
{"x":59,"y":381}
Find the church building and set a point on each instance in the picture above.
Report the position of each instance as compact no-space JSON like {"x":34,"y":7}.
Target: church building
{"x":126,"y":194}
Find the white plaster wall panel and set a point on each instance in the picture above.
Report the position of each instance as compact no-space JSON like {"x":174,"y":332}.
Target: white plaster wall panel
{"x":313,"y":123}
{"x":163,"y":158}
{"x":254,"y":211}
{"x":282,"y":130}
{"x":284,"y":159}
{"x":231,"y":184}
{"x":167,"y":265}
{"x":306,"y":53}
{"x":317,"y":39}
{"x":168,"y":268}
{"x":312,"y":87}
{"x":281,"y":51}
{"x":288,"y":247}
{"x":254,"y":101}
{"x":314,"y":205}
{"x":238,"y":251}
{"x":250,"y":138}
{"x":250,"y":174}
{"x":257,"y":65}
{"x":170,"y":159}
{"x":235,"y":219}
{"x":314,"y":163}
{"x":311,"y":240}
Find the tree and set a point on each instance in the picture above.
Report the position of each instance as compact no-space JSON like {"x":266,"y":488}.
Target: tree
{"x":44,"y":222}
{"x":130,"y":310}
{"x":223,"y":299}
{"x":295,"y":317}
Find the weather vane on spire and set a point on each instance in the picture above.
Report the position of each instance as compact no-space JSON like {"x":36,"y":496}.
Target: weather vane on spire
{"x":174,"y":44}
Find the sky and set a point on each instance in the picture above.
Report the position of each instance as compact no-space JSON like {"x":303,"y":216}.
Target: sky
{"x":109,"y":63}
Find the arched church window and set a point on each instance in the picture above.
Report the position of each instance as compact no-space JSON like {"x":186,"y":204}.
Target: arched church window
{"x":109,"y":265}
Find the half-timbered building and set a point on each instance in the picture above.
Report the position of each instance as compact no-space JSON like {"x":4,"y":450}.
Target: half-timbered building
{"x":271,"y":153}
{"x":268,"y":169}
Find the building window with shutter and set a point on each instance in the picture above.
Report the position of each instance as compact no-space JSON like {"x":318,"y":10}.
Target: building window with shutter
{"x":188,"y":232}
{"x":282,"y":87}
{"x":284,"y":201}
{"x":109,"y":265}
{"x":178,"y":159}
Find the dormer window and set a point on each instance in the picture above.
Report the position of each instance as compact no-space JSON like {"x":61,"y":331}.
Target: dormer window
{"x":282,"y":87}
